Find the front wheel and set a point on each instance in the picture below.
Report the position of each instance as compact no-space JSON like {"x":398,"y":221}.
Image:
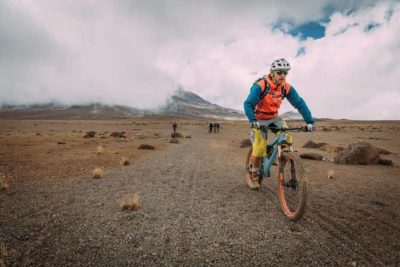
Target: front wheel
{"x":292,"y":185}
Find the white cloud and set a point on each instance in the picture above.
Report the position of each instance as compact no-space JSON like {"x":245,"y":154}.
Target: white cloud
{"x":100,"y":56}
{"x":353,"y":74}
{"x":136,"y":52}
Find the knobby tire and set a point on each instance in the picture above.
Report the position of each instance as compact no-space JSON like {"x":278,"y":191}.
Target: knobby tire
{"x":291,"y":164}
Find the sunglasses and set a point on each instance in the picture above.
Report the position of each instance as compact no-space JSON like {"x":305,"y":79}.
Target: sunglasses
{"x":281,"y":72}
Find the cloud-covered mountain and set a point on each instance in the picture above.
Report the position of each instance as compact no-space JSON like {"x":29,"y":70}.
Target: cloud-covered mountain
{"x":181,"y":103}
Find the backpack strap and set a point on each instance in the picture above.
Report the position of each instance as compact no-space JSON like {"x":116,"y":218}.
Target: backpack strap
{"x":285,"y":90}
{"x":265,"y":88}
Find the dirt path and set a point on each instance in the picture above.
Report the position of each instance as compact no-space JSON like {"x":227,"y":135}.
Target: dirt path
{"x":195,"y":210}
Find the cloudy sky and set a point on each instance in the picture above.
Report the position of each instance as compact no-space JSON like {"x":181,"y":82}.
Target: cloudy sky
{"x":345,"y":55}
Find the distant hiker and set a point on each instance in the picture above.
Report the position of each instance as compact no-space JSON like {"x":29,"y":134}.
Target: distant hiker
{"x":215,"y":127}
{"x":262,"y":104}
{"x":174,"y":126}
{"x":210,"y":128}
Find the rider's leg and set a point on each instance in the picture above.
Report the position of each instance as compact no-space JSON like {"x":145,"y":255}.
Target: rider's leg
{"x":256,"y":157}
{"x":255,"y":172}
{"x":279,"y":123}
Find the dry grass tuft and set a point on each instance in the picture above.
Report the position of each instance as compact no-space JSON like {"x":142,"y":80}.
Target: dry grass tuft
{"x":5,"y":254}
{"x":97,"y":173}
{"x":124,"y":161}
{"x":331,"y":174}
{"x":100,"y":150}
{"x":3,"y":251}
{"x":131,"y":202}
{"x":4,"y":185}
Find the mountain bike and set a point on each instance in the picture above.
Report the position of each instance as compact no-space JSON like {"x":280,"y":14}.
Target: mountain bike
{"x":292,"y":179}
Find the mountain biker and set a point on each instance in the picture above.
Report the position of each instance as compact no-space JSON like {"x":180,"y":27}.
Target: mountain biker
{"x":262,"y":110}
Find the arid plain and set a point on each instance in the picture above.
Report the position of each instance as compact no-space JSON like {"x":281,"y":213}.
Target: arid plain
{"x":195,"y":208}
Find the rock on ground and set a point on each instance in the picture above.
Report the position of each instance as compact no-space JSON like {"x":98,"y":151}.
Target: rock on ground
{"x":361,"y":153}
{"x":311,"y":144}
{"x":245,"y":143}
{"x":90,"y":134}
{"x":118,"y":134}
{"x":312,"y":156}
{"x":145,"y":146}
{"x":328,"y":148}
{"x":176,"y":135}
{"x":174,"y":141}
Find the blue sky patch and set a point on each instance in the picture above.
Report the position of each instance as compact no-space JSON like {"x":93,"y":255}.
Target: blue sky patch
{"x":312,"y":30}
{"x":306,"y":30}
{"x":371,"y":26}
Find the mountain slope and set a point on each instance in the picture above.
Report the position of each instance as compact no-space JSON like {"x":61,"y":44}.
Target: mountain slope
{"x":190,"y":104}
{"x":291,"y":115}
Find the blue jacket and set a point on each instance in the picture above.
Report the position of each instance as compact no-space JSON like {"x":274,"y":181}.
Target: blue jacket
{"x":294,"y":99}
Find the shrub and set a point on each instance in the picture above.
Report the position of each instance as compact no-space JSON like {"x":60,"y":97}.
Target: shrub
{"x":131,"y":202}
{"x":97,"y":173}
{"x":99,"y":150}
{"x":124,"y":161}
{"x":4,"y":185}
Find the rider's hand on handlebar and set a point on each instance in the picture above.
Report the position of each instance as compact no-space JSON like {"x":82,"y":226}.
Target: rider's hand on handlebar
{"x":310,"y":127}
{"x":255,"y":124}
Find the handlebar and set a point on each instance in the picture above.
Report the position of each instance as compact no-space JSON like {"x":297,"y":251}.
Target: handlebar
{"x":265,"y":129}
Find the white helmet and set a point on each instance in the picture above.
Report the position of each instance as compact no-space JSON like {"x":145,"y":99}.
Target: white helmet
{"x":280,"y":64}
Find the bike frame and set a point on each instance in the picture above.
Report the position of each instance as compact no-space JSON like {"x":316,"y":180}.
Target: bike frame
{"x":275,"y":146}
{"x":267,"y":162}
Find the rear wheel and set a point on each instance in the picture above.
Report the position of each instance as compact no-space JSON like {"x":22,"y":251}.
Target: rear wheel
{"x":292,"y":185}
{"x":248,"y":165}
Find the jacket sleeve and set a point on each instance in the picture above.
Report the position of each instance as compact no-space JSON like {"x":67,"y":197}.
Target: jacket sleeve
{"x":252,"y":101}
{"x":297,"y":102}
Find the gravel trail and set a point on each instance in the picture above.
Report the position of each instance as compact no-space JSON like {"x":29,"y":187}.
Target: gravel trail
{"x":195,"y":210}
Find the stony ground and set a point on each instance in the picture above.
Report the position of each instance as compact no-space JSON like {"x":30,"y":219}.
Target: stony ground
{"x":195,"y":207}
